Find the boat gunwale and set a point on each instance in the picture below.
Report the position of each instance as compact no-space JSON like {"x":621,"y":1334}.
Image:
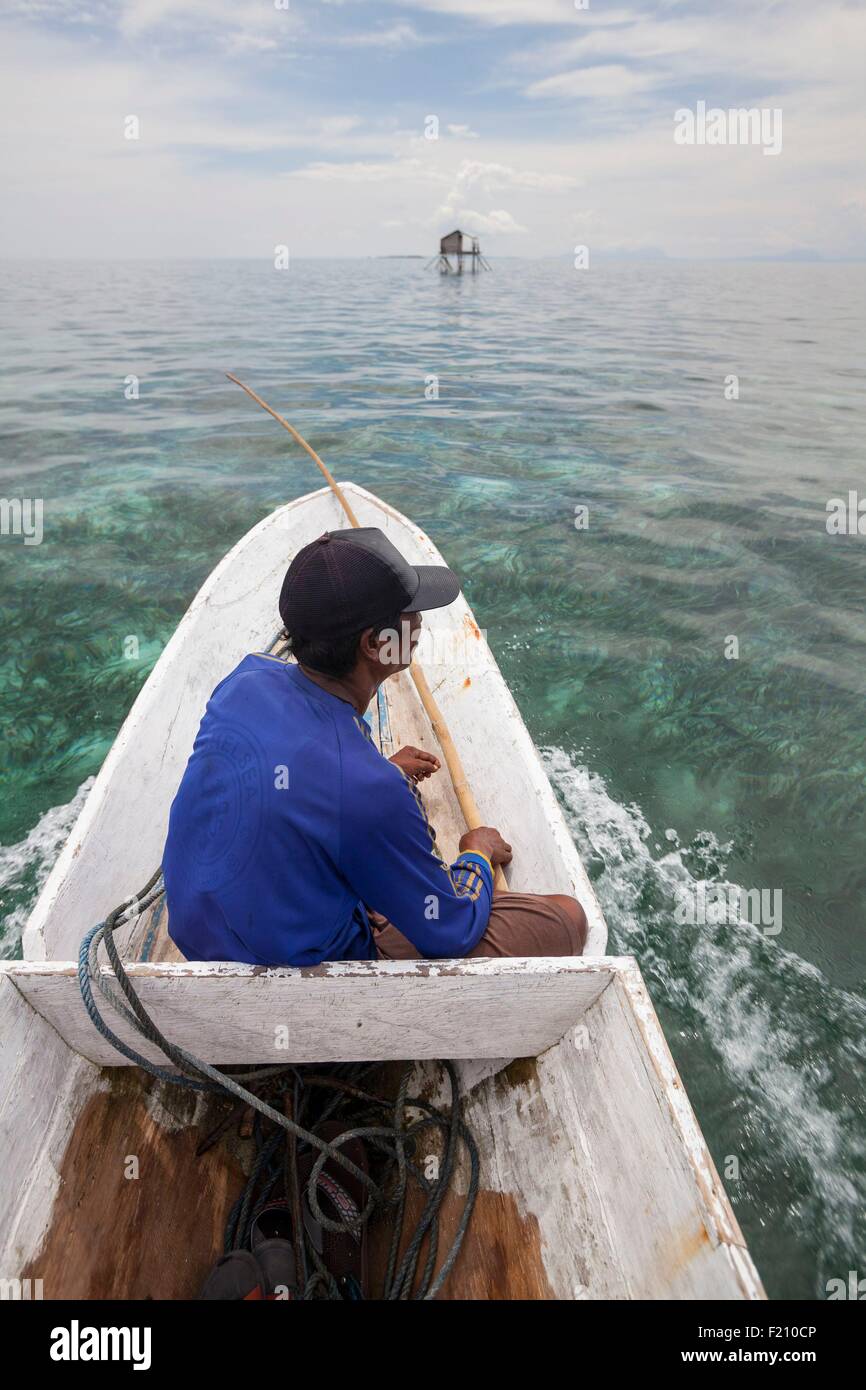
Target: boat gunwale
{"x":334,"y":969}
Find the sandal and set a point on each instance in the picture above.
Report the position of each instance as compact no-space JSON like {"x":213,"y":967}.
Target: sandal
{"x":341,"y":1197}
{"x":265,"y":1272}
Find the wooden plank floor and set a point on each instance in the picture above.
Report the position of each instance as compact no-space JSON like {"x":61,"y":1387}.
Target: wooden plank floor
{"x":157,"y":1235}
{"x":152,"y":1231}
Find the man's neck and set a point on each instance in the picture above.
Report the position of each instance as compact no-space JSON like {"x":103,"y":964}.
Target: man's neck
{"x":356,"y":689}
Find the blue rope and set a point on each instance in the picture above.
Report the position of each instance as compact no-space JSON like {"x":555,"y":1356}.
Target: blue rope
{"x":84,"y":984}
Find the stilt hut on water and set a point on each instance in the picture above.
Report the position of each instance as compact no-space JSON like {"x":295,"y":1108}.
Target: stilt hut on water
{"x":454,"y":249}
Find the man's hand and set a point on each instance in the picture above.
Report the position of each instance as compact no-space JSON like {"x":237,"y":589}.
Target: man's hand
{"x":487,"y":841}
{"x":415,"y":763}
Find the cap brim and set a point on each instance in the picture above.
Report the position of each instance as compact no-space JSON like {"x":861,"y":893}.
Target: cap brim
{"x":437,"y":587}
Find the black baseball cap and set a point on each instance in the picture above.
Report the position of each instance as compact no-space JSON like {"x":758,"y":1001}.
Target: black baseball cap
{"x":350,"y":580}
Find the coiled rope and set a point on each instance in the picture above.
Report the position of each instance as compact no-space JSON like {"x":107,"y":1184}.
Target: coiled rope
{"x":384,"y":1125}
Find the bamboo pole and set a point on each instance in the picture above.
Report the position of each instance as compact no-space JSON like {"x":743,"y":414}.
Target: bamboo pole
{"x":299,"y":438}
{"x":459,"y":780}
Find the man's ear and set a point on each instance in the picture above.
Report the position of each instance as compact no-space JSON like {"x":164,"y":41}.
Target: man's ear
{"x":368,"y":645}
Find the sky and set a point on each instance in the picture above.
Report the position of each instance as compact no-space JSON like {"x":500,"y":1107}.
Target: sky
{"x":305,"y":123}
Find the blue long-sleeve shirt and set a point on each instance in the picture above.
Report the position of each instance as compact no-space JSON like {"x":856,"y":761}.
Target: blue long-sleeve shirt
{"x":288,"y":821}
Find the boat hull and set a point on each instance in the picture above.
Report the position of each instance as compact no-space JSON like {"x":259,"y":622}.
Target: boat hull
{"x":595,"y":1180}
{"x":118,"y":838}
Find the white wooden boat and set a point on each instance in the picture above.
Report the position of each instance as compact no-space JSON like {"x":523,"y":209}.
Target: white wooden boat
{"x":595,"y":1179}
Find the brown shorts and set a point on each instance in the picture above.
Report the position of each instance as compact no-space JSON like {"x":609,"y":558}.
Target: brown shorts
{"x":520,"y":924}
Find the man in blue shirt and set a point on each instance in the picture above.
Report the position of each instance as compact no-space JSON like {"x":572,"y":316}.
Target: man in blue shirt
{"x":291,"y":839}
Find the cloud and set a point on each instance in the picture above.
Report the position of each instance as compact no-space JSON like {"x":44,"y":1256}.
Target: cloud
{"x":242,"y":42}
{"x":492,"y":177}
{"x":497,"y":220}
{"x":731,"y":44}
{"x":501,"y":13}
{"x":259,"y":127}
{"x":339,"y":125}
{"x":359,"y":171}
{"x":476,"y":176}
{"x":137,"y":17}
{"x":395,"y":36}
{"x":610,"y":82}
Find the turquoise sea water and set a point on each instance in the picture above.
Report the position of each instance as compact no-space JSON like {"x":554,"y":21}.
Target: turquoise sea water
{"x":557,"y":389}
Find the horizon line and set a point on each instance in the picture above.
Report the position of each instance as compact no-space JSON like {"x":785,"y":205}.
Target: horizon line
{"x":648,"y":257}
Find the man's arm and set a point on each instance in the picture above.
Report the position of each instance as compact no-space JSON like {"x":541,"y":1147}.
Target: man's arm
{"x":388,"y":855}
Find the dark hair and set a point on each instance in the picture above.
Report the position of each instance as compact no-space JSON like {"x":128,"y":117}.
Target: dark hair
{"x":333,"y":656}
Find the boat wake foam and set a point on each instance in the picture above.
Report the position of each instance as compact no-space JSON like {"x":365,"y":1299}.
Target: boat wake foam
{"x":25,"y":867}
{"x":791,"y":1044}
